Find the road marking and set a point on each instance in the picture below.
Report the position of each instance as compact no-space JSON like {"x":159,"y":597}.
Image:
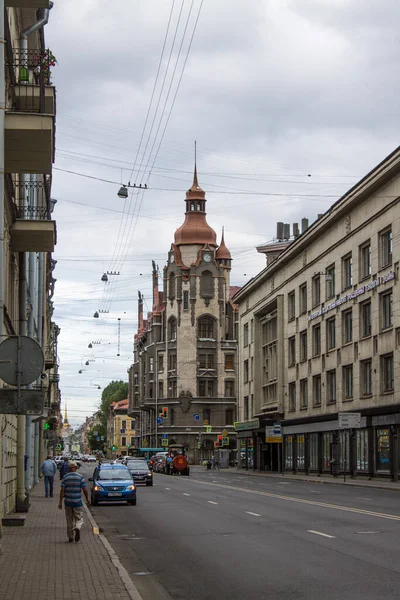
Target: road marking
{"x":250,"y":513}
{"x":211,"y":502}
{"x":215,"y":480}
{"x":332,"y":537}
{"x":367,"y":532}
{"x":186,"y":494}
{"x":361,"y":498}
{"x":143,"y":573}
{"x":284,"y":482}
{"x":168,"y":489}
{"x":359,"y":511}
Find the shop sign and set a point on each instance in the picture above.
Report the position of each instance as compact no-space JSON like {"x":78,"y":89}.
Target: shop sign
{"x":246,"y":425}
{"x":273,"y":434}
{"x":349,"y":420}
{"x":351,"y":295}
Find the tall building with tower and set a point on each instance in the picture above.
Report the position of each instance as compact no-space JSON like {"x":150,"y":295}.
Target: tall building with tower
{"x":182,"y":384}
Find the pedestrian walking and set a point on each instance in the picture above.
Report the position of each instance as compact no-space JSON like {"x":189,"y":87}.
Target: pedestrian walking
{"x":213,"y":463}
{"x":72,"y":486}
{"x":64,"y":467}
{"x":48,"y":468}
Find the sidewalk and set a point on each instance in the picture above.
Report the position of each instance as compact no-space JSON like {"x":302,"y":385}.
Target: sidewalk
{"x":38,"y":562}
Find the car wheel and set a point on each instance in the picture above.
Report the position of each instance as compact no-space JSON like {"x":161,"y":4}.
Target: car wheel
{"x":132,"y":502}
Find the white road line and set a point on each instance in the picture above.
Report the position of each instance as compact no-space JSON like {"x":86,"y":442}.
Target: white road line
{"x":368,"y":532}
{"x":168,"y":489}
{"x":361,"y":498}
{"x":186,"y":494}
{"x":284,"y":482}
{"x":211,"y":502}
{"x":332,"y":537}
{"x":250,"y":513}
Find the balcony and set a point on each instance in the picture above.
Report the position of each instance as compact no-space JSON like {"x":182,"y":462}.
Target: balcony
{"x":33,"y":231}
{"x":50,"y":357}
{"x":29,"y":121}
{"x":27,"y":3}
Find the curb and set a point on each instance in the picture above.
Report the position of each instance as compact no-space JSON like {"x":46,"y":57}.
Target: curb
{"x":323,"y":481}
{"x":123,"y":573}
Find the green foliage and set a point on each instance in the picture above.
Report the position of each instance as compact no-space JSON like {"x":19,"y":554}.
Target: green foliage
{"x":94,"y":443}
{"x":113,"y":392}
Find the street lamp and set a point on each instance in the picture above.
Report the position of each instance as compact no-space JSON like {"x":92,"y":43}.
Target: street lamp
{"x":123,"y":192}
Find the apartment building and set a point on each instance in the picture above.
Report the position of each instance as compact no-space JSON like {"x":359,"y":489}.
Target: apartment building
{"x":121,"y":430}
{"x":29,"y":234}
{"x":182,"y":385}
{"x":320,"y":334}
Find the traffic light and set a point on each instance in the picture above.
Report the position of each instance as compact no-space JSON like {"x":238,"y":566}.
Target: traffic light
{"x":220,"y":440}
{"x":165,"y":412}
{"x":47,"y":426}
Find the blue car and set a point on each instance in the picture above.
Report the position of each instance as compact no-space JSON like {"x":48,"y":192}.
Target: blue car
{"x":112,"y":482}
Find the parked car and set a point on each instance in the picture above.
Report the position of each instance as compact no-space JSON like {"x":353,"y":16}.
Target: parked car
{"x":91,"y":458}
{"x":112,"y":482}
{"x":140,"y":471}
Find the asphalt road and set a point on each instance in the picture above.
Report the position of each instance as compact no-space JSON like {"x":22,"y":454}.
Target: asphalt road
{"x":217,"y":535}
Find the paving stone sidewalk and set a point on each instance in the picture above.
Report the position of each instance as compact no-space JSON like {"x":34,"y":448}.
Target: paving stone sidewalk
{"x":38,"y":562}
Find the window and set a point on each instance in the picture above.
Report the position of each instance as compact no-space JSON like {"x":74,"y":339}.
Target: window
{"x":172,"y":362}
{"x":206,"y":416}
{"x":292,"y":351}
{"x":330,"y":281}
{"x":245,"y":371}
{"x":206,"y":361}
{"x":229,"y":362}
{"x":316,"y":290}
{"x":387,"y":373}
{"x":366,"y":377}
{"x":123,"y":441}
{"x":172,"y":388}
{"x":303,"y":345}
{"x":171,"y":416}
{"x":292,"y":396}
{"x":229,"y":417}
{"x":132,"y":441}
{"x":365,"y":260}
{"x":133,"y":424}
{"x":246,"y":408}
{"x":385,"y":248}
{"x":207,"y":285}
{"x":206,"y":388}
{"x":386,"y":310}
{"x":185,"y":300}
{"x":206,"y":328}
{"x":160,"y":363}
{"x":161,"y":389}
{"x":317,"y":390}
{"x":348,"y":382}
{"x":123,"y":424}
{"x":303,"y":298}
{"x":151,"y":365}
{"x":347,"y":320}
{"x":330,"y":333}
{"x":229,"y":388}
{"x":304,"y":393}
{"x":291,"y":306}
{"x":172,"y":329}
{"x":331,"y":386}
{"x":347,"y":272}
{"x":171,"y":287}
{"x":365,"y":319}
{"x":246,"y":334}
{"x":316,"y":339}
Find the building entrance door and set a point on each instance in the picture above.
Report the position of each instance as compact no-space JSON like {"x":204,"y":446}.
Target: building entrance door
{"x":383,"y":463}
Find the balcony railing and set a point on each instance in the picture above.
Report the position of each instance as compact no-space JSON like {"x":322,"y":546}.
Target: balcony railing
{"x":31,"y":66}
{"x":33,"y":213}
{"x":54,"y":378}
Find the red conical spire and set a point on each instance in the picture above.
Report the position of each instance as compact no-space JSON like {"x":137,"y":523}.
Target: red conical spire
{"x":223,"y":252}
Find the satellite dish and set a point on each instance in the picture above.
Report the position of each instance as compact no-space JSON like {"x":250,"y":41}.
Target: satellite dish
{"x":21,"y":350}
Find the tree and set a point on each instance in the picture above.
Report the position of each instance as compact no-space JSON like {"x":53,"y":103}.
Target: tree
{"x":94,"y":438}
{"x":113,"y":392}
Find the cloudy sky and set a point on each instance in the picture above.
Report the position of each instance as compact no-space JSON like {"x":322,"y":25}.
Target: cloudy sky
{"x":290,"y":101}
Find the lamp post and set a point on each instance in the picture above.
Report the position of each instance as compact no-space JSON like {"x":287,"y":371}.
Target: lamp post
{"x":123,"y":190}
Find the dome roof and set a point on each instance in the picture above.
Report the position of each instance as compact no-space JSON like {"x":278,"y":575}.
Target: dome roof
{"x":223,"y":252}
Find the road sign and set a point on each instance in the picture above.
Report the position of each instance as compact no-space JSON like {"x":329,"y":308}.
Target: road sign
{"x":225,"y":441}
{"x":224,"y":433}
{"x":164,"y":436}
{"x":196,"y":417}
{"x":209,"y":429}
{"x":145,"y":443}
{"x":271,"y":437}
{"x":23,"y":355}
{"x":164,"y":442}
{"x":349,"y":420}
{"x":159,"y":420}
{"x":277,"y":429}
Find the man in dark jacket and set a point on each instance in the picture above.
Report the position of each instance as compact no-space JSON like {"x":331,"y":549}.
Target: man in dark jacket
{"x":64,"y":467}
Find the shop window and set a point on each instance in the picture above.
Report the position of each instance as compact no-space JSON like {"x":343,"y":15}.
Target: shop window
{"x":331,"y":333}
{"x":292,"y":351}
{"x":303,"y":298}
{"x":330,"y":281}
{"x":347,"y":272}
{"x":362,"y":449}
{"x":365,"y":261}
{"x":316,"y":339}
{"x":289,"y":452}
{"x":344,"y":451}
{"x":347,"y":382}
{"x":206,"y":416}
{"x":300,"y":459}
{"x":303,"y":393}
{"x":386,"y":310}
{"x":229,"y":417}
{"x":206,"y":328}
{"x":313,"y":451}
{"x":387,"y":372}
{"x":229,"y":362}
{"x":366,"y":377}
{"x":316,"y":290}
{"x":303,"y":345}
{"x":327,"y":439}
{"x":385,"y":248}
{"x":229,"y":388}
{"x":331,"y":386}
{"x":317,"y":390}
{"x":347,"y":326}
{"x":292,"y":396}
{"x":291,"y":306}
{"x":365,"y":319}
{"x":383,"y":450}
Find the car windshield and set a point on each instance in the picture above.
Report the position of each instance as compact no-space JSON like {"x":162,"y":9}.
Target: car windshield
{"x":137,"y":464}
{"x":114,"y":474}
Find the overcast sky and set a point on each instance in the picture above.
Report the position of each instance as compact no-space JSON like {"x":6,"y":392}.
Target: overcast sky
{"x":272,"y":90}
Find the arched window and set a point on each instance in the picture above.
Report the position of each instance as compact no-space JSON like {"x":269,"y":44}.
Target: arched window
{"x":206,"y":328}
{"x":198,"y":206}
{"x":171,"y":287}
{"x":172,"y":329}
{"x":192,"y":206}
{"x":207,"y":285}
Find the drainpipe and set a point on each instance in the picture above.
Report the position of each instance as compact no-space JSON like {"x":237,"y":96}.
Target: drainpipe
{"x":42,"y":21}
{"x":2,"y":330}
